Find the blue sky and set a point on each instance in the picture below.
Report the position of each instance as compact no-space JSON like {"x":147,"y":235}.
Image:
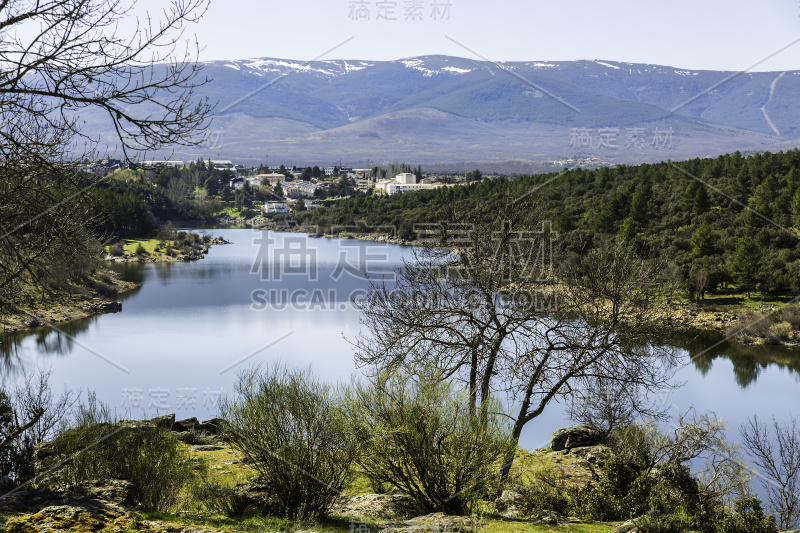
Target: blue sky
{"x":698,"y":34}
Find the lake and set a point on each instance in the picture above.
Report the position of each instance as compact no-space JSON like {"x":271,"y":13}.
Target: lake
{"x":180,"y":338}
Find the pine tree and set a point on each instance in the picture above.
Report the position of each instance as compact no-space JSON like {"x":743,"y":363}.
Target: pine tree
{"x":703,"y":240}
{"x":744,"y":266}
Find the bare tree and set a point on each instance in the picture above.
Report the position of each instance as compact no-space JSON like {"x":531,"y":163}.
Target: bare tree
{"x":29,"y":415}
{"x":60,"y":59}
{"x":484,"y":302}
{"x":775,"y":449}
{"x":605,"y":404}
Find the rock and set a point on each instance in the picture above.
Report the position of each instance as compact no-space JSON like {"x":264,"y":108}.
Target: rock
{"x":376,"y":506}
{"x":598,"y":455}
{"x":509,"y":504}
{"x":6,"y":485}
{"x":255,"y":494}
{"x":33,"y":323}
{"x":112,"y":490}
{"x":107,"y":307}
{"x":206,"y":448}
{"x":212,"y":427}
{"x":166,"y":421}
{"x":627,"y":527}
{"x":431,"y":522}
{"x":574,"y":437}
{"x":549,"y":518}
{"x":186,"y":425}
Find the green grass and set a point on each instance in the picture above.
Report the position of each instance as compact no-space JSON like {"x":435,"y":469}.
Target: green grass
{"x":132,"y":244}
{"x":731,"y":301}
{"x":342,"y":525}
{"x":507,"y":525}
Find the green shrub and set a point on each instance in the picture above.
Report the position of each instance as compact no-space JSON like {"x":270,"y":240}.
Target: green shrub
{"x":291,"y":427}
{"x":149,"y":457}
{"x":646,"y":477}
{"x":222,"y":499}
{"x":116,"y":250}
{"x":547,"y":492}
{"x":778,"y":333}
{"x":748,"y":517}
{"x":140,"y":250}
{"x":664,"y":523}
{"x":419,"y":435}
{"x":791,"y":315}
{"x":751,"y":323}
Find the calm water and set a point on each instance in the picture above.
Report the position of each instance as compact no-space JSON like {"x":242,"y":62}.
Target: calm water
{"x":180,"y":338}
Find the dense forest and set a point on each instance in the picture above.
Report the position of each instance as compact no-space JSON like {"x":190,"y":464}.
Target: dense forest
{"x":725,"y":223}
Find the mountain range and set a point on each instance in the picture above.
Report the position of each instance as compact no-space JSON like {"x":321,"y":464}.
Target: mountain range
{"x":457,"y":113}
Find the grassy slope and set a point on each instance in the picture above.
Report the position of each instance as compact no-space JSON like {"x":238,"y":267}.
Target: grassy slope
{"x":227,"y":467}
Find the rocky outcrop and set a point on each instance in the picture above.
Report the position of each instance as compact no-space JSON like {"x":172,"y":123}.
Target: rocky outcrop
{"x":574,"y":437}
{"x":101,"y":507}
{"x":91,"y":300}
{"x":509,"y":504}
{"x":117,"y":491}
{"x":165,"y":422}
{"x":428,"y":523}
{"x":190,"y":424}
{"x":552,"y":518}
{"x":213,"y":426}
{"x":595,"y":455}
{"x":389,"y":505}
{"x":627,"y":527}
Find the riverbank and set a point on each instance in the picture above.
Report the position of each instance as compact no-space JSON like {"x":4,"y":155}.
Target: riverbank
{"x":166,"y":255}
{"x":95,"y":297}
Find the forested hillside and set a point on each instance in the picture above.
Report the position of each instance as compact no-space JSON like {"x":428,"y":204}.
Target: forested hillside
{"x":725,"y":223}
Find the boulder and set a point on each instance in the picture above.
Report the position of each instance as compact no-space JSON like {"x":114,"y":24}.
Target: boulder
{"x":428,"y":523}
{"x":6,"y":485}
{"x":598,"y":455}
{"x":627,"y":527}
{"x":549,"y":518}
{"x":166,"y":421}
{"x":376,"y":506}
{"x":186,"y":425}
{"x":573,"y":437}
{"x":112,"y":490}
{"x":212,"y":426}
{"x":206,"y":448}
{"x":255,"y":494}
{"x":509,"y":504}
{"x":107,"y":307}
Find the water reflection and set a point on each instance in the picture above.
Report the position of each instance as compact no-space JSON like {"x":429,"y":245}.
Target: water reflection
{"x":749,"y":361}
{"x":57,"y":341}
{"x":203,"y":308}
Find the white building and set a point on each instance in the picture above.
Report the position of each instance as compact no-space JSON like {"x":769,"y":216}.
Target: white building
{"x":395,"y":187}
{"x":221,"y":164}
{"x":162,"y":164}
{"x":272,"y":178}
{"x":275,"y":208}
{"x":403,"y":183}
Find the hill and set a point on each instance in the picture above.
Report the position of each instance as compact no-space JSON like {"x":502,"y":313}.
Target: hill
{"x":441,"y":110}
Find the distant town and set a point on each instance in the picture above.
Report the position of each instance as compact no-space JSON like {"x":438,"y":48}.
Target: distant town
{"x":302,"y":185}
